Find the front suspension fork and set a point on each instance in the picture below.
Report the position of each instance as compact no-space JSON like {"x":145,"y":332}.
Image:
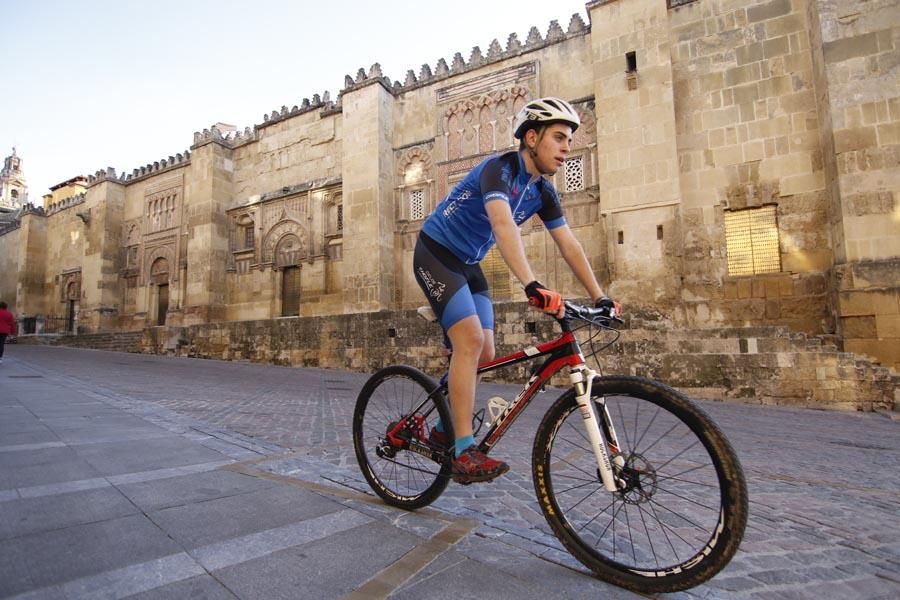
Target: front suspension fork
{"x":582,"y":379}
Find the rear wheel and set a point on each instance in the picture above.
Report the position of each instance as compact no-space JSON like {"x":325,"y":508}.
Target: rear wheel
{"x":391,"y":442}
{"x":680,"y":513}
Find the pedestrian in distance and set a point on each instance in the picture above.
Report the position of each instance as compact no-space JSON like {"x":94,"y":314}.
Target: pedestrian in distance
{"x":486,"y":208}
{"x":7,"y":326}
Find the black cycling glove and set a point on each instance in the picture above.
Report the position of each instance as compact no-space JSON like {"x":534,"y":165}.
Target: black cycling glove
{"x":610,"y":308}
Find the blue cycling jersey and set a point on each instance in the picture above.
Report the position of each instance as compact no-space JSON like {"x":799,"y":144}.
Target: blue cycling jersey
{"x":460,"y":221}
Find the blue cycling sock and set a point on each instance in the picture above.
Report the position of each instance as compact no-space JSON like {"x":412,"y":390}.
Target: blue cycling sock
{"x":463,"y":443}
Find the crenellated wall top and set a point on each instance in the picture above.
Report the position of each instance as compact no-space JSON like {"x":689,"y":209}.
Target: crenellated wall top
{"x":154,"y":168}
{"x":65,"y":203}
{"x":477,"y":59}
{"x":323,"y":103}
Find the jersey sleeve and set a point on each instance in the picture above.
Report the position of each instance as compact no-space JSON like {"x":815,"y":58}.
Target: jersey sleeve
{"x":551,"y":212}
{"x":494,"y":182}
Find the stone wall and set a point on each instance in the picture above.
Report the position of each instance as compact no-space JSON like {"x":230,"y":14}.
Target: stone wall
{"x":9,"y":263}
{"x":761,"y":365}
{"x":858,"y":65}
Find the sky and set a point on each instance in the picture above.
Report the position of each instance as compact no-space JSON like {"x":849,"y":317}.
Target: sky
{"x":90,"y":84}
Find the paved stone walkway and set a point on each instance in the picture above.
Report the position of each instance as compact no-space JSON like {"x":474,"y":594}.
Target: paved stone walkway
{"x":823,"y":485}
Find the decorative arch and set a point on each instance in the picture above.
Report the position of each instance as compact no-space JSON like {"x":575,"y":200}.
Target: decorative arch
{"x":159,"y":271}
{"x":418,"y":159}
{"x":587,"y":132}
{"x":289,"y":251}
{"x":165,"y":252}
{"x":280,"y":230}
{"x":482,"y":123}
{"x":73,"y":290}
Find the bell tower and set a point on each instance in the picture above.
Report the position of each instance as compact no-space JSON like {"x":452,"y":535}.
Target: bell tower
{"x":13,"y":189}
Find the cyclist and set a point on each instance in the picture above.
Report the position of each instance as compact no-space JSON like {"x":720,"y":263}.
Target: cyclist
{"x":485,"y":208}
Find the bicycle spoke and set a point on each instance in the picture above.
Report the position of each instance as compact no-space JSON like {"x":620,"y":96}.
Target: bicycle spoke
{"x":647,"y":533}
{"x":404,"y":478}
{"x":663,"y":465}
{"x":667,"y":508}
{"x":637,"y":443}
{"x":661,"y":489}
{"x":663,"y":529}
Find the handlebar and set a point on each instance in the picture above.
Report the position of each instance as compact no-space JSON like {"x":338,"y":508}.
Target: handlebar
{"x":596,"y":316}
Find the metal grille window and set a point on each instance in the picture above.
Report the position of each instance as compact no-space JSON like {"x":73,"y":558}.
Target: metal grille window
{"x":416,"y":205}
{"x":574,"y":172}
{"x":497,"y":274}
{"x":248,"y":236}
{"x":340,"y":217}
{"x":751,"y":238}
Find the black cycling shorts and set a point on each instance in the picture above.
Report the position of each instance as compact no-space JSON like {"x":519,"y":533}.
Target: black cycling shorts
{"x":454,"y":289}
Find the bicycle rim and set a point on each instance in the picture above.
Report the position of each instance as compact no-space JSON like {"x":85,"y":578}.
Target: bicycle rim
{"x":681,"y":517}
{"x":402,"y":478}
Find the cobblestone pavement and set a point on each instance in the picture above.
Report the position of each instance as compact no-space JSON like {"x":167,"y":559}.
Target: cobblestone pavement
{"x":823,"y":485}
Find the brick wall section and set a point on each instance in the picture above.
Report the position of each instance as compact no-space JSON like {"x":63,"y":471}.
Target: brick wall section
{"x":748,"y":135}
{"x":859,"y":80}
{"x":761,"y":365}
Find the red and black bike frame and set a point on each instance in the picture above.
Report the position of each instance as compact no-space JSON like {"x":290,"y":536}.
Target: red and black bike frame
{"x":561,"y":352}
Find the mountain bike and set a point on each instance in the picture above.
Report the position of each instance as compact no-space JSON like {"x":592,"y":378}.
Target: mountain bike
{"x":634,"y":479}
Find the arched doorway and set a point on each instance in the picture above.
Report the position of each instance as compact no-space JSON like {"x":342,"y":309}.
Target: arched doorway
{"x":73,"y":291}
{"x":287,"y":259}
{"x":159,"y":276}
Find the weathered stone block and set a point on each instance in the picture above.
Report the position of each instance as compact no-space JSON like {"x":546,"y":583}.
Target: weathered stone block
{"x":858,"y":327}
{"x":871,"y":203}
{"x":785,"y":25}
{"x":769,"y":10}
{"x":749,"y":53}
{"x":745,"y":74}
{"x":887,"y":327}
{"x":854,"y":139}
{"x":776,"y":47}
{"x":850,"y":47}
{"x":865,"y":302}
{"x":888,"y":134}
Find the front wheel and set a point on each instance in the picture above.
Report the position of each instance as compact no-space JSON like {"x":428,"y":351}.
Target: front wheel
{"x":680,"y":512}
{"x":390,"y":436}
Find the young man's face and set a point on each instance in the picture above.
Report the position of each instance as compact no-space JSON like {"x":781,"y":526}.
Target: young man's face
{"x":550,"y":146}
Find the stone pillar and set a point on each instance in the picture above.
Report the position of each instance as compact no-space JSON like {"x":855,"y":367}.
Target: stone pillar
{"x":637,"y":155}
{"x":857,"y":81}
{"x":31,"y":276}
{"x":101,"y":220}
{"x":367,"y":166}
{"x":208,"y":190}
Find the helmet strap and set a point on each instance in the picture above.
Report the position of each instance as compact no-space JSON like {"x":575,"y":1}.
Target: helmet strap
{"x":532,"y":151}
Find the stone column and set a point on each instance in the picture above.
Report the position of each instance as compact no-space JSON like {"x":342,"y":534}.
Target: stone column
{"x":208,"y":190}
{"x":637,"y":168}
{"x":367,"y":166}
{"x":855,"y":49}
{"x":101,"y":291}
{"x":31,"y":276}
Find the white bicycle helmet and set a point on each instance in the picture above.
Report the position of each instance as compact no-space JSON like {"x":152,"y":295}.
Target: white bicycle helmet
{"x":544,"y":111}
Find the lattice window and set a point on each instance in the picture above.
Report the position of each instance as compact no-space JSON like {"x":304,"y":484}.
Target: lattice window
{"x":497,"y":274}
{"x":751,"y":238}
{"x":248,"y":236}
{"x":574,"y":172}
{"x":335,"y":217}
{"x":416,"y":205}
